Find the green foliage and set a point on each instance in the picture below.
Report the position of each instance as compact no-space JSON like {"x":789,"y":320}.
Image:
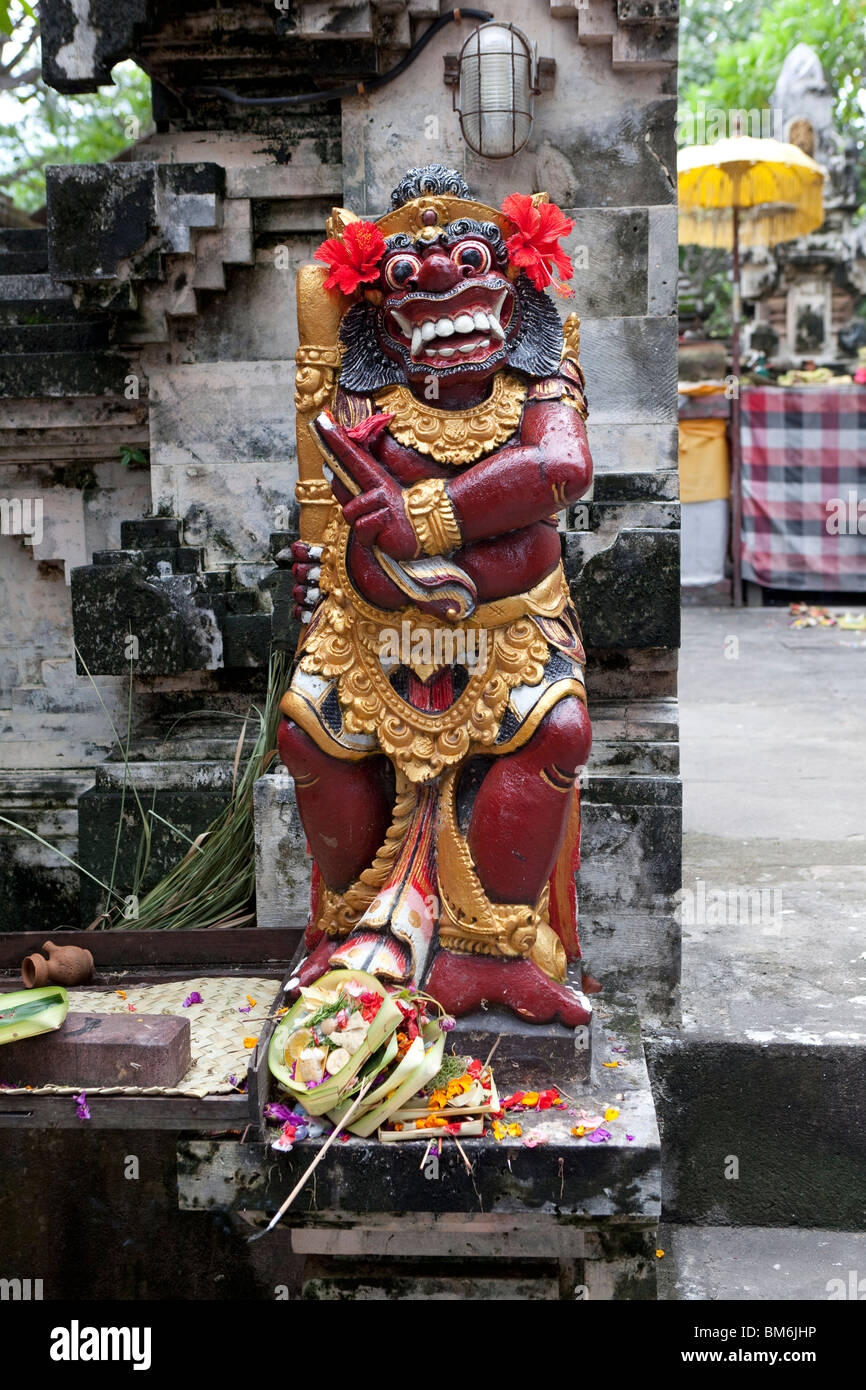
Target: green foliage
{"x":132,"y":458}
{"x":709,"y":272}
{"x":39,"y":126}
{"x":6,"y":19}
{"x":731,"y":54}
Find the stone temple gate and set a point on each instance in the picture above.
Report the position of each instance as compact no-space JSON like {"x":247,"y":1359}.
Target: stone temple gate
{"x":147,"y":376}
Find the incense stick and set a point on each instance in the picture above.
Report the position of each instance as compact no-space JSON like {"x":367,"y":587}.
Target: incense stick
{"x":315,"y":1163}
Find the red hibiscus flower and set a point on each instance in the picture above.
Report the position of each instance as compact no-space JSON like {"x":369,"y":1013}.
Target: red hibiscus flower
{"x":371,"y":1003}
{"x":534,"y":247}
{"x":355,"y":258}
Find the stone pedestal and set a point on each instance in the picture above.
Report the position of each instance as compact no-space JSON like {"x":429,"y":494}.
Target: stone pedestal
{"x":283,"y":865}
{"x":562,"y":1217}
{"x":526,"y":1054}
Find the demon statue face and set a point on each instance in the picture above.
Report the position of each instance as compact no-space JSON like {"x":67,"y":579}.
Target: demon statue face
{"x":447,"y":310}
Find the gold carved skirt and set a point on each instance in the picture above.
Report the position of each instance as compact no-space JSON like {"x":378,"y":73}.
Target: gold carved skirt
{"x":356,"y":688}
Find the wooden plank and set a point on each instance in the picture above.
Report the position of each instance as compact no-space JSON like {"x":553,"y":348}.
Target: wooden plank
{"x":108,"y":981}
{"x":231,"y":946}
{"x":212,"y":1113}
{"x":258,"y":1076}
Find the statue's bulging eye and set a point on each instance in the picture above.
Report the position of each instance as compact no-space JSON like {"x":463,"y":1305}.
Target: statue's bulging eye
{"x":472,"y":255}
{"x":400,"y":269}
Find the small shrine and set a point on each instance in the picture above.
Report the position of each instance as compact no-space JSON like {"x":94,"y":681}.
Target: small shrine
{"x":804,"y":292}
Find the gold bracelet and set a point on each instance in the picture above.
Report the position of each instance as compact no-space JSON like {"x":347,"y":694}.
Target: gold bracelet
{"x":429,"y":509}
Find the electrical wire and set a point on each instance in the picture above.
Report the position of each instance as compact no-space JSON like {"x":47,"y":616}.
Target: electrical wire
{"x":350,"y":89}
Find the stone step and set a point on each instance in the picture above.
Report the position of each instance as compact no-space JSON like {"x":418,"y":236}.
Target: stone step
{"x":89,"y":373}
{"x":32,"y":262}
{"x":761,"y":1132}
{"x":79,"y":336}
{"x":16,"y":240}
{"x":755,"y":1264}
{"x":44,"y":699}
{"x":36,"y":288}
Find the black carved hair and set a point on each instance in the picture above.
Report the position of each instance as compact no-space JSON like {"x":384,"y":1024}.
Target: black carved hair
{"x":365,"y":366}
{"x":538,"y":349}
{"x":434,"y":179}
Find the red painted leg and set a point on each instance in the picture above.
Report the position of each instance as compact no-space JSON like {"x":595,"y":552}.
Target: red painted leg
{"x":343,"y":842}
{"x":517,"y":824}
{"x":520,"y":812}
{"x":345,"y":807}
{"x":315,"y":964}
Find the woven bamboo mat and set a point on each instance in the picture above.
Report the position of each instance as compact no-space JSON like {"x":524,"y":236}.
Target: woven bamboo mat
{"x":217,"y":1030}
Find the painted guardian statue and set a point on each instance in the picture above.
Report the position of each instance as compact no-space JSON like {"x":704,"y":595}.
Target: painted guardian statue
{"x":436,"y":721}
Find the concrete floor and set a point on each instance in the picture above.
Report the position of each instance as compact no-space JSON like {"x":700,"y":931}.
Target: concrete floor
{"x":760,"y":1263}
{"x":773,"y":728}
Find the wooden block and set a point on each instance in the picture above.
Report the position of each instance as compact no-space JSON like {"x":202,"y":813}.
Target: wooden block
{"x":102,"y":1050}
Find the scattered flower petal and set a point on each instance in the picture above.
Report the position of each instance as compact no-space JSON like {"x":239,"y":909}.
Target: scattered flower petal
{"x":194,"y":998}
{"x":275,"y":1111}
{"x":598,"y":1136}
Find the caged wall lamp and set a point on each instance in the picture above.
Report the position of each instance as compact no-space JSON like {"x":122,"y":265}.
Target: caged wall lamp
{"x":495,"y":79}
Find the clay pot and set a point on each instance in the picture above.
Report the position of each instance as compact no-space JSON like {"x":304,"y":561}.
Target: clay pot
{"x":66,"y":965}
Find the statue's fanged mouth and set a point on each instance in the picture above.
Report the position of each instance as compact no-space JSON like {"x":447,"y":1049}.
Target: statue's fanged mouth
{"x":466,"y":326}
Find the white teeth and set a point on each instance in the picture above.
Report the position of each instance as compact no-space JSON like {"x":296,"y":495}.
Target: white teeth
{"x":404,"y":322}
{"x":315,"y":552}
{"x":496,"y":327}
{"x":481,"y":321}
{"x":444,"y":328}
{"x":315,"y":573}
{"x":416,"y":341}
{"x":485,"y":342}
{"x":467,"y":347}
{"x":306,"y":615}
{"x":464,"y":323}
{"x":428,"y":331}
{"x":313,"y":595}
{"x":445,"y":352}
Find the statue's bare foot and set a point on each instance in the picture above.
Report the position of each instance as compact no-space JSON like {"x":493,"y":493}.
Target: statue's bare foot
{"x":315,"y":964}
{"x":378,"y":953}
{"x":462,"y":983}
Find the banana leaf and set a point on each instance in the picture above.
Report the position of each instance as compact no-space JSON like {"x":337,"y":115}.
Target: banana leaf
{"x":27,"y":1012}
{"x":424,"y":1072}
{"x":330,"y":1092}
